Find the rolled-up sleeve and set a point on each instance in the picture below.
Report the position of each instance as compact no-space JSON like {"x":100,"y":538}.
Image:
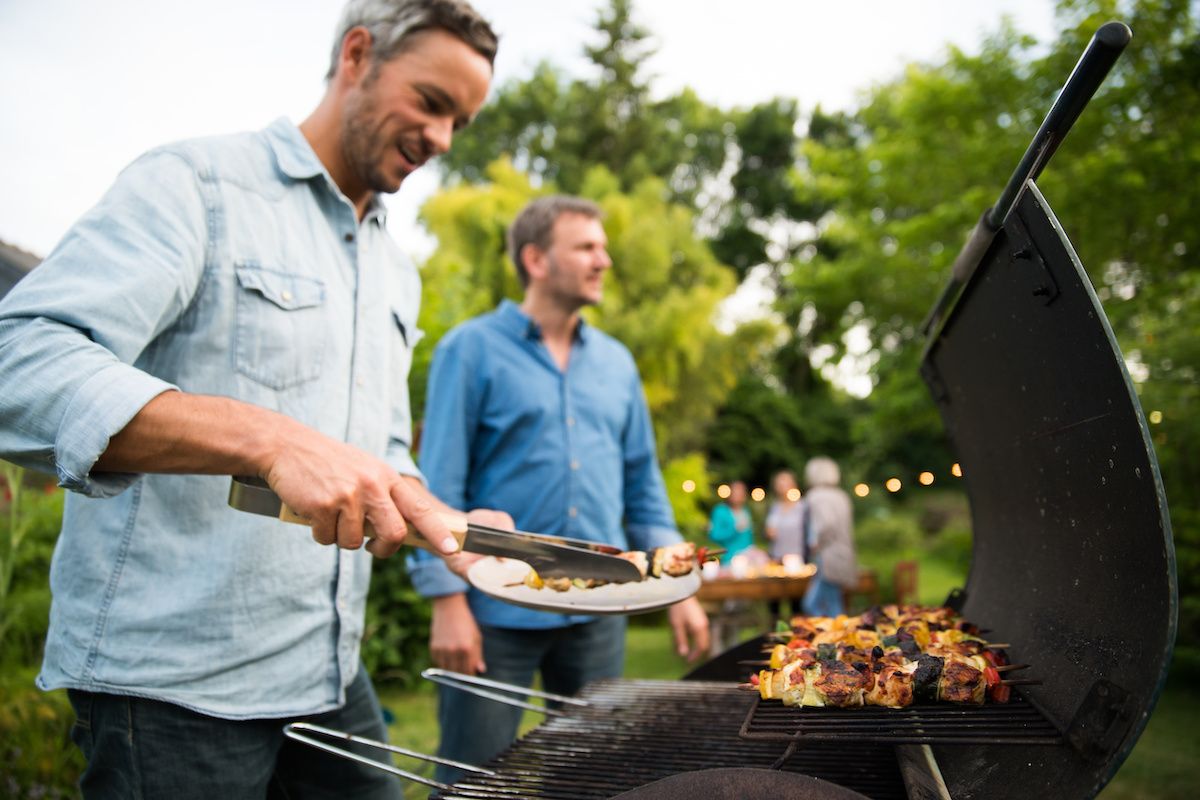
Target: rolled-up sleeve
{"x":72,"y":329}
{"x":450,"y":416}
{"x":649,"y":520}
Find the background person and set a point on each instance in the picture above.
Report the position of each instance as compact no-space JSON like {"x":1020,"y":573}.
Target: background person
{"x":234,"y":306}
{"x":830,"y":538}
{"x":532,"y":411}
{"x":730,"y":524}
{"x":784,"y":527}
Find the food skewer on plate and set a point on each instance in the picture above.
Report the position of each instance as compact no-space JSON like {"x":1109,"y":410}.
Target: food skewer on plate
{"x":673,"y":560}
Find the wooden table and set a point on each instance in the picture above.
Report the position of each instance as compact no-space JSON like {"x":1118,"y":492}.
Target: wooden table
{"x":760,"y":588}
{"x":734,"y":603}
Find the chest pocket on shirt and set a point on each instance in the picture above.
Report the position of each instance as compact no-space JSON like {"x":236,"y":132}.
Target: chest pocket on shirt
{"x":280,"y":326}
{"x":410,"y":335}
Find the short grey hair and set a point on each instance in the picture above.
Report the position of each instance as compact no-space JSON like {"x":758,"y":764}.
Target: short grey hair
{"x":822,"y":471}
{"x":393,"y":23}
{"x":535,"y":225}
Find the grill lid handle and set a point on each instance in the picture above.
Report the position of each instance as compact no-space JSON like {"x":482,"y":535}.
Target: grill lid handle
{"x":1093,"y":66}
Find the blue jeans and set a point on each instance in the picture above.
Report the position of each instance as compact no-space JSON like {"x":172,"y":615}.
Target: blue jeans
{"x":474,"y":729}
{"x":822,"y":599}
{"x":148,"y":749}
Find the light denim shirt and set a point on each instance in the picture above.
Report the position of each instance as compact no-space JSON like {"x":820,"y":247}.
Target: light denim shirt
{"x":226,"y":266}
{"x":565,"y":453}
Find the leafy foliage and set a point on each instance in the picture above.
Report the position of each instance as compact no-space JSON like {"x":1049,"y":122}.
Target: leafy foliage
{"x":38,"y":758}
{"x":661,"y":300}
{"x":905,"y":177}
{"x":395,"y":644}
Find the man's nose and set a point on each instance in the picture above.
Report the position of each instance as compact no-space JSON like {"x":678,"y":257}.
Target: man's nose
{"x":438,"y":133}
{"x":603,"y":260}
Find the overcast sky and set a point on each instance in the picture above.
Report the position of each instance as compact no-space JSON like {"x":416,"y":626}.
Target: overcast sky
{"x":89,"y":85}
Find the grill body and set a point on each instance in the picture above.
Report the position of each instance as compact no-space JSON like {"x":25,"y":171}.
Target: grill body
{"x":1073,"y":561}
{"x":635,"y":733}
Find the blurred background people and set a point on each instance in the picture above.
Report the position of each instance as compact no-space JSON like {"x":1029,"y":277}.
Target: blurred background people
{"x":785,"y":527}
{"x":830,"y":525}
{"x":730,"y":525}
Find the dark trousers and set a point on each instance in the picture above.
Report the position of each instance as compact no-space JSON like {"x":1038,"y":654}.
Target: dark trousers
{"x":147,"y":749}
{"x":475,"y":729}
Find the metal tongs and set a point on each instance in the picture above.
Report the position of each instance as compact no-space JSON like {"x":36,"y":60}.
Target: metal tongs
{"x":300,"y":731}
{"x":550,"y":556}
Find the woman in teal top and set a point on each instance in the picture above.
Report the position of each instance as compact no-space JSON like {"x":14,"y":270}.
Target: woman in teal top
{"x":730,"y":526}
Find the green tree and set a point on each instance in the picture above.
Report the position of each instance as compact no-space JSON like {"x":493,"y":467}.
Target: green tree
{"x":556,"y":130}
{"x":661,"y":300}
{"x":904,"y":177}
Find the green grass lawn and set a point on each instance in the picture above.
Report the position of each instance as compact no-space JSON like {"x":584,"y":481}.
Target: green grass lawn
{"x":1165,"y":764}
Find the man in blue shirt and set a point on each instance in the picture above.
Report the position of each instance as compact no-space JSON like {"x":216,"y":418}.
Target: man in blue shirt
{"x":531,"y":411}
{"x":234,"y":306}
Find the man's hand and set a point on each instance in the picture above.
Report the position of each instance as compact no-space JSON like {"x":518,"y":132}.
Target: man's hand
{"x":338,"y":487}
{"x":455,"y":642}
{"x":689,"y":623}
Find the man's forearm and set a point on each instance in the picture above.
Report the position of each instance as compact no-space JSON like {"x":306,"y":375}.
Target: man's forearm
{"x":178,"y":432}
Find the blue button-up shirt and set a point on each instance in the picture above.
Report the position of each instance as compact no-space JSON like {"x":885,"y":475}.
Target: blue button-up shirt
{"x":565,"y":453}
{"x":226,"y":266}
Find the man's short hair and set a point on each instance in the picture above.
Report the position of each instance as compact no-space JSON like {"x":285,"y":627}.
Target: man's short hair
{"x":393,"y":23}
{"x":535,"y":225}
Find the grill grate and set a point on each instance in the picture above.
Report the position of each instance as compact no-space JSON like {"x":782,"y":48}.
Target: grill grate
{"x":1016,"y":722}
{"x":636,"y":732}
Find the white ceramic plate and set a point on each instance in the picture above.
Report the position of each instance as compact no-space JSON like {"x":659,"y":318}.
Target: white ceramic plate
{"x":495,"y":576}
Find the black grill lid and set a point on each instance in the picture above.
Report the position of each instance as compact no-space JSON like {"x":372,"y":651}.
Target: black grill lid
{"x":1073,"y":561}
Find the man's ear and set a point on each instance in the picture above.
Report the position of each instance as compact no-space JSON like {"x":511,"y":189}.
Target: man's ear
{"x":354,"y":61}
{"x":534,"y":259}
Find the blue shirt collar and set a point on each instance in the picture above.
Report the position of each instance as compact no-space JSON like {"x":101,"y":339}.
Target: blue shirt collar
{"x":298,"y":161}
{"x":522,"y":325}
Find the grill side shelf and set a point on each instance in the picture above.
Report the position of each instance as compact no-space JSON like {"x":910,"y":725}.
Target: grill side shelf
{"x":1014,"y":723}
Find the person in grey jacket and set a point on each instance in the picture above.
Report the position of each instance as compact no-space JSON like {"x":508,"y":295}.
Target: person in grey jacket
{"x":830,"y":524}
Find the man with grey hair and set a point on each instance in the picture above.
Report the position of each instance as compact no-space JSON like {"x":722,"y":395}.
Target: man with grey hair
{"x":532,"y":412}
{"x":234,"y":306}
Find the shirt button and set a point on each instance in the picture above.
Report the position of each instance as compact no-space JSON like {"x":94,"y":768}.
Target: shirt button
{"x":349,"y":237}
{"x":359,"y":382}
{"x":570,"y":421}
{"x":574,"y":512}
{"x":574,"y":465}
{"x":286,"y":295}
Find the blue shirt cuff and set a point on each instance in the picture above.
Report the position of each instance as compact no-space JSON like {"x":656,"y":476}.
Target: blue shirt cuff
{"x":647,"y":537}
{"x":432,"y":578}
{"x":100,"y":409}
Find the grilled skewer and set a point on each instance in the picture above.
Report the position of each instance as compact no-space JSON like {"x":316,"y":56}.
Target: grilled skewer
{"x":890,"y":656}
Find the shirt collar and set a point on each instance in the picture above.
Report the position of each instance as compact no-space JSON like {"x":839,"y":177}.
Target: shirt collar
{"x":299,"y":162}
{"x":293,"y":153}
{"x":522,"y":325}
